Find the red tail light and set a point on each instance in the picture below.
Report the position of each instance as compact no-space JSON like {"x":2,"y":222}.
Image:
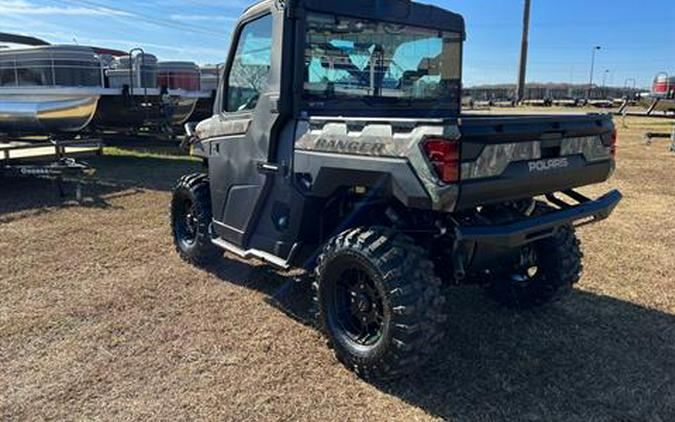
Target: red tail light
{"x":443,"y":154}
{"x":612,"y":145}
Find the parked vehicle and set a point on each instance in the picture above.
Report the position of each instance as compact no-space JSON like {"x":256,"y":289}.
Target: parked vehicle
{"x":339,"y":146}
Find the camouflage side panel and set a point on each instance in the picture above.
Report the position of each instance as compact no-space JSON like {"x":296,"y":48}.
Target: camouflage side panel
{"x":215,"y":127}
{"x":393,"y":138}
{"x":495,"y":159}
{"x":591,"y":147}
{"x":402,"y":139}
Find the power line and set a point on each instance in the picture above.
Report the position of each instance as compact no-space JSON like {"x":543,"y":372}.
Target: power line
{"x":145,"y":18}
{"x":233,"y":4}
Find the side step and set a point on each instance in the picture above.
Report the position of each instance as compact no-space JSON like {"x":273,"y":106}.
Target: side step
{"x":252,"y":253}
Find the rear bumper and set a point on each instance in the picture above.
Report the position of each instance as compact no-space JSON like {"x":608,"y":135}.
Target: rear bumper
{"x":536,"y":228}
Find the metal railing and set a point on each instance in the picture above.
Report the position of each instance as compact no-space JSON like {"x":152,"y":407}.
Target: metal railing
{"x":140,"y":72}
{"x":49,"y":68}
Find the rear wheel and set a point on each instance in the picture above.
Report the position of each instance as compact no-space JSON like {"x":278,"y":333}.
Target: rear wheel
{"x":379,"y":302}
{"x":190,"y":220}
{"x":546,"y":272}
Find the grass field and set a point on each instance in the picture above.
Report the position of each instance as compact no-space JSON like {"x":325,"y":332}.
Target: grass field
{"x":100,"y":320}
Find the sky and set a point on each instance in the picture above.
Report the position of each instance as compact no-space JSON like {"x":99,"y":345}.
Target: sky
{"x":637,"y":38}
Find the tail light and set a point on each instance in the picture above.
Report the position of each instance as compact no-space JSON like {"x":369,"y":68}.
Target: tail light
{"x":443,"y":155}
{"x":613,"y":141}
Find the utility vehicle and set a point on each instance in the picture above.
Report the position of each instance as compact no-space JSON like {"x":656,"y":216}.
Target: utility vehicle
{"x":337,"y":145}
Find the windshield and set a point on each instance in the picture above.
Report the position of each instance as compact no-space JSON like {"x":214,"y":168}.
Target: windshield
{"x":351,"y":58}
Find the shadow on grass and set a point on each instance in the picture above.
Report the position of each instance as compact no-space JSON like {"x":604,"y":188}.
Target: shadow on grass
{"x":144,"y":172}
{"x":116,"y":175}
{"x":588,"y":358}
{"x":24,"y":197}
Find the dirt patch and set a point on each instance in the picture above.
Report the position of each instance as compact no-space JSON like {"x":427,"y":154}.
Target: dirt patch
{"x":99,"y":319}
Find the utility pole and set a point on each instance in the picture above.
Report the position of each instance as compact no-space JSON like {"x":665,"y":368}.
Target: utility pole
{"x":630,"y":89}
{"x":590,"y":84}
{"x":604,"y":83}
{"x":522,"y":74}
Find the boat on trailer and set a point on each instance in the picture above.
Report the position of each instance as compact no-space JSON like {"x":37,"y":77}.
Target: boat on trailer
{"x":662,"y":95}
{"x":62,"y":90}
{"x":137,"y":86}
{"x":49,"y":89}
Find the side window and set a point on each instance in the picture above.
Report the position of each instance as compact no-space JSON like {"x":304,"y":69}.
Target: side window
{"x":251,"y":66}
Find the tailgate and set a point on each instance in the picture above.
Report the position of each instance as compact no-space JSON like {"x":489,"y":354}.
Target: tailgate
{"x":514,"y":157}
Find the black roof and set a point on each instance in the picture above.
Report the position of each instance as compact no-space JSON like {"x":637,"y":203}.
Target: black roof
{"x":396,"y":11}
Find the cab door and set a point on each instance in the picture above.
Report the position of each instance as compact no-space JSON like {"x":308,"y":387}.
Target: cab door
{"x":240,"y":135}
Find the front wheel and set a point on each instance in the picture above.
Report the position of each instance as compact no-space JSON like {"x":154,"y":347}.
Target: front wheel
{"x":379,"y":302}
{"x":191,"y":218}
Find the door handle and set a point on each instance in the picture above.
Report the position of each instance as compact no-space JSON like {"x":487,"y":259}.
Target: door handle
{"x":269,"y":168}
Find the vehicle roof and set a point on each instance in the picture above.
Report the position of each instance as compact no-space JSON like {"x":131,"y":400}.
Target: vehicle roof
{"x":396,"y":11}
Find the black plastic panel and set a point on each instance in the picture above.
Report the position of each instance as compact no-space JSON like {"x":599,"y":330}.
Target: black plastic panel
{"x":518,"y":182}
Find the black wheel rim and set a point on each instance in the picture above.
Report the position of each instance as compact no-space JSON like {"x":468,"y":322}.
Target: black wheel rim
{"x":358,"y":306}
{"x":186,"y":222}
{"x":527,"y":272}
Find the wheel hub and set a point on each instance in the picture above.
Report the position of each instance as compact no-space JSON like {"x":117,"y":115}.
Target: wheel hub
{"x":362,"y":306}
{"x":188,"y":222}
{"x":362,"y":303}
{"x":527,"y":269}
{"x":191,"y":222}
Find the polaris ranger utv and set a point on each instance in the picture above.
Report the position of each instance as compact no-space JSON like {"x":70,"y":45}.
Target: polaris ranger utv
{"x":337,"y":145}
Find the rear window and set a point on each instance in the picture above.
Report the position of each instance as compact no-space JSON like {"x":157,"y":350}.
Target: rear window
{"x":351,"y":58}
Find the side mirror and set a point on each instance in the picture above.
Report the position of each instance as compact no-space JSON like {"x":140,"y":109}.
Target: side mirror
{"x":190,"y":129}
{"x":191,"y":136}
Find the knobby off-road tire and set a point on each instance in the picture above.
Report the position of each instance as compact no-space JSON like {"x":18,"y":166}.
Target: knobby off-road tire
{"x":559,"y":268}
{"x":409,"y":299}
{"x":190,"y":220}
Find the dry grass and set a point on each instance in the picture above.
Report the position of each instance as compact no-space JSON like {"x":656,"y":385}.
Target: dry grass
{"x":99,"y":320}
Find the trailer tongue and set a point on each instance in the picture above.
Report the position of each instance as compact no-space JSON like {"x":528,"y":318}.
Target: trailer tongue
{"x":57,"y":160}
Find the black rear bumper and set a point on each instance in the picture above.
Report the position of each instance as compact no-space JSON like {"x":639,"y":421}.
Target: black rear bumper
{"x":536,"y":228}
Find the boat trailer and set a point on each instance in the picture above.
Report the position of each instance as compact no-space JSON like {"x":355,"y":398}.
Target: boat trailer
{"x":652,"y":135}
{"x":52,"y":159}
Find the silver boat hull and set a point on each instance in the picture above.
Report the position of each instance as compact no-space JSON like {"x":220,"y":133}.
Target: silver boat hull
{"x":52,"y":110}
{"x":46,"y":113}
